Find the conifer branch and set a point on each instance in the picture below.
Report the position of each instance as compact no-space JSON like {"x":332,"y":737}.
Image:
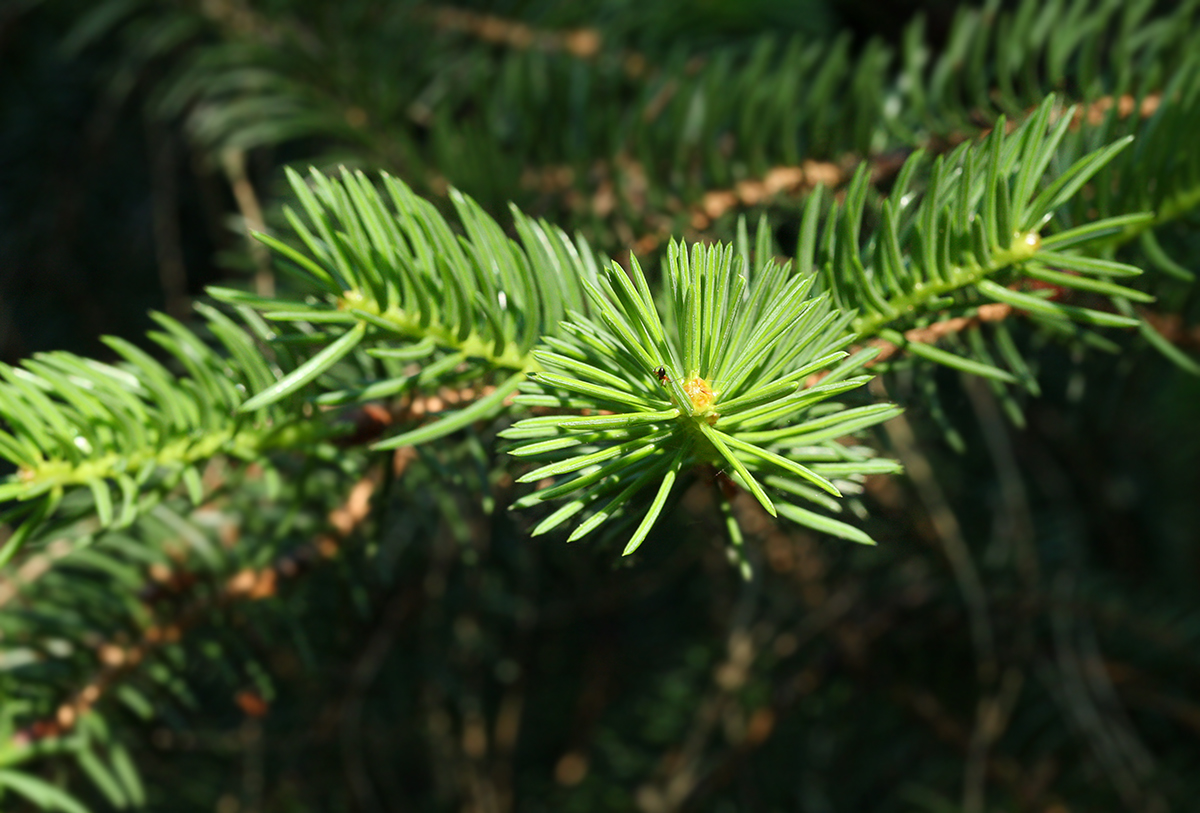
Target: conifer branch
{"x":392,"y":280}
{"x":188,"y":608}
{"x":780,"y":104}
{"x":75,"y":424}
{"x":609,"y":392}
{"x":399,"y":286}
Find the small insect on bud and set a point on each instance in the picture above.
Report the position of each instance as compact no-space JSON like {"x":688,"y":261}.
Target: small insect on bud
{"x":661,"y":375}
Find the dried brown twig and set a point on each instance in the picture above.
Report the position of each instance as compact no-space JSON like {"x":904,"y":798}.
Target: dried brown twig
{"x":584,"y":43}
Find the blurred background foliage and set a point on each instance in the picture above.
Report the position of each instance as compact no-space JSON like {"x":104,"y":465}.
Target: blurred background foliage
{"x":1023,"y":638}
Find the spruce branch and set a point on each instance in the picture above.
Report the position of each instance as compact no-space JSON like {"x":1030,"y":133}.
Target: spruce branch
{"x":400,"y":303}
{"x":700,"y":384}
{"x":74,"y":424}
{"x":113,"y":653}
{"x":396,"y":278}
{"x":985,"y":230}
{"x":776,"y":104}
{"x":410,"y":306}
{"x":190,"y":606}
{"x":979,"y":220}
{"x":1071,"y":275}
{"x":627,"y":390}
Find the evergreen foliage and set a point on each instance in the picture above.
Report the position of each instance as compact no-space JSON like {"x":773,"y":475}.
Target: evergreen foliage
{"x":322,"y":465}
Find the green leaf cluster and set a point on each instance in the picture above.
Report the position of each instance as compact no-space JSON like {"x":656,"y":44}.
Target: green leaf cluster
{"x":427,"y":305}
{"x":721,"y":378}
{"x":130,"y":433}
{"x":976,"y":228}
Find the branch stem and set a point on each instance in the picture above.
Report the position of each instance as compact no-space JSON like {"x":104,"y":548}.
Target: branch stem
{"x":1024,"y":246}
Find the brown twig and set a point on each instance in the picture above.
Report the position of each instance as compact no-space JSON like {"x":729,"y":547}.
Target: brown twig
{"x":584,"y":43}
{"x":234,"y":163}
{"x":931,"y":333}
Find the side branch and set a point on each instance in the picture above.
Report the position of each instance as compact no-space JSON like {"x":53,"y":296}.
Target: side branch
{"x":118,"y":660}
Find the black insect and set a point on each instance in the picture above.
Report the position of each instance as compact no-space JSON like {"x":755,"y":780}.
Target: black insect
{"x":661,"y":375}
